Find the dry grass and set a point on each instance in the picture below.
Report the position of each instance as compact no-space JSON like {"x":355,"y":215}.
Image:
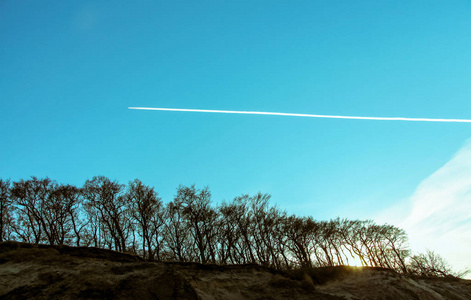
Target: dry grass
{"x":45,"y":272}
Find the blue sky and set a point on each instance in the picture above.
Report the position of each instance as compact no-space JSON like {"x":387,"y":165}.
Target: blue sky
{"x":69,"y":71}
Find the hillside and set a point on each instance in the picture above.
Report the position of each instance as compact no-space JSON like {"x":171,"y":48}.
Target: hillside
{"x":45,"y":272}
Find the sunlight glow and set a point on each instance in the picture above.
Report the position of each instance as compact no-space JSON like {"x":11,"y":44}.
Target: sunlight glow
{"x":436,"y":216}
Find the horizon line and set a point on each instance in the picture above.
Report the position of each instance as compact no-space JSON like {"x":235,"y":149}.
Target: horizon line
{"x":303,"y":115}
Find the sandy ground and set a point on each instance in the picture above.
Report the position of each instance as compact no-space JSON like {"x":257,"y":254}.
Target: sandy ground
{"x":84,"y":273}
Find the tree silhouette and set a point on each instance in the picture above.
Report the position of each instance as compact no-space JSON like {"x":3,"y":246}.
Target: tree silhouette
{"x":5,"y":210}
{"x":146,"y":208}
{"x":430,"y":264}
{"x":105,"y":196}
{"x":247,"y":229}
{"x":31,"y":197}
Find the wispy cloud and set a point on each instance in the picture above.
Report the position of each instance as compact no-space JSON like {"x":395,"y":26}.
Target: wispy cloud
{"x":438,"y":215}
{"x":302,"y":115}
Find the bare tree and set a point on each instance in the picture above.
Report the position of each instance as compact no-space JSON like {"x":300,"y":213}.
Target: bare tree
{"x":299,"y":231}
{"x":61,"y":215}
{"x":176,"y":233}
{"x":75,"y":209}
{"x":430,"y":264}
{"x":31,"y":197}
{"x":200,"y":217}
{"x":105,"y":196}
{"x":92,"y":234}
{"x":350,"y":235}
{"x":246,"y":230}
{"x":393,"y":247}
{"x":281,"y":243}
{"x":230,"y":235}
{"x":5,"y":210}
{"x":271,"y":222}
{"x":146,"y":209}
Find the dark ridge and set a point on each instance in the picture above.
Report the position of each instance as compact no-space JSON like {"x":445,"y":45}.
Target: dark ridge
{"x":86,"y":252}
{"x":223,"y":268}
{"x":322,"y":275}
{"x":64,"y":272}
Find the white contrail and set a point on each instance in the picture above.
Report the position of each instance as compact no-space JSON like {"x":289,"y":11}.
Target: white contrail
{"x":304,"y":115}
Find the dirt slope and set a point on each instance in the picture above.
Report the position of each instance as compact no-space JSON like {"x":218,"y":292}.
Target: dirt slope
{"x":44,"y":272}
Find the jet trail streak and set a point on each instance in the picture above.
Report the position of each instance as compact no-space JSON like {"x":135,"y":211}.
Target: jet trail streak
{"x":304,"y":115}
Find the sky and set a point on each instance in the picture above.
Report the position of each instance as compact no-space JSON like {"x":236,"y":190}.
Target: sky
{"x":70,"y":70}
{"x":437,"y":215}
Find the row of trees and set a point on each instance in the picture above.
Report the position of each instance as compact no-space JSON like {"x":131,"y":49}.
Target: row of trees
{"x":106,"y":214}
